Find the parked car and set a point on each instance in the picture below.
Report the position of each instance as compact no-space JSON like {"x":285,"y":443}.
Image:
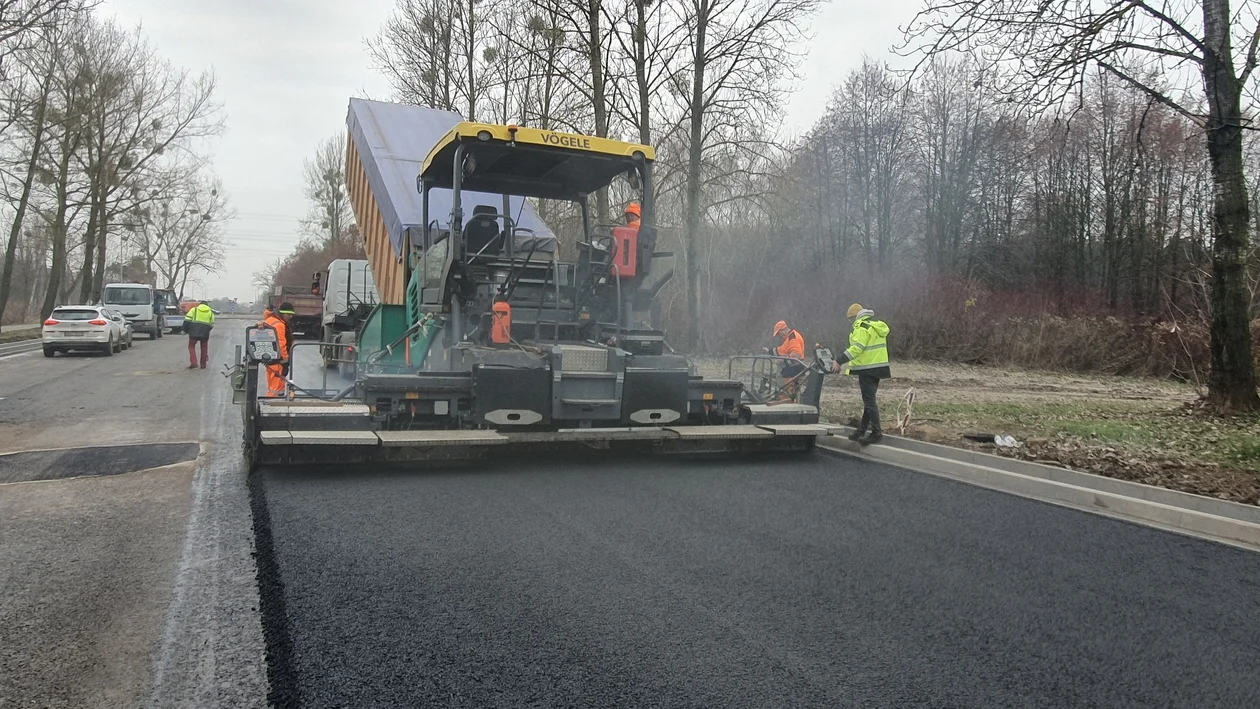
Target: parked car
{"x":81,"y":327}
{"x":125,"y":325}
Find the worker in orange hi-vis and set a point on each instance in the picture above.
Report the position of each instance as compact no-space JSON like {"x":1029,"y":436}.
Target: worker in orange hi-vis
{"x":633,"y":213}
{"x":278,"y":320}
{"x":791,"y":345}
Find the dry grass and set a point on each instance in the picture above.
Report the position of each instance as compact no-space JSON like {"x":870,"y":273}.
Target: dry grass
{"x":19,"y":335}
{"x":1142,"y":429}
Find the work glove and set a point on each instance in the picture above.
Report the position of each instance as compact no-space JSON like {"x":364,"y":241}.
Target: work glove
{"x":838,"y":366}
{"x":765,"y":350}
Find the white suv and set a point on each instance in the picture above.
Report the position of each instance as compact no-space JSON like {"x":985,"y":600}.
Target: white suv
{"x":82,"y":327}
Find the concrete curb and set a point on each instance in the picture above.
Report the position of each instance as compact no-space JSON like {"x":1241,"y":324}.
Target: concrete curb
{"x":17,"y":347}
{"x":1193,"y":515}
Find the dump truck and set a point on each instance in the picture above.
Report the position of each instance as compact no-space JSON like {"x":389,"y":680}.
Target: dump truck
{"x":485,"y":341}
{"x":308,"y":309}
{"x":349,"y":294}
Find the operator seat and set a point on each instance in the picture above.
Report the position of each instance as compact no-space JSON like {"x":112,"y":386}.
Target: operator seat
{"x":483,"y":232}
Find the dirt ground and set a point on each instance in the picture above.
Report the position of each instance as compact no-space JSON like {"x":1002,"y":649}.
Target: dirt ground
{"x":1145,"y":430}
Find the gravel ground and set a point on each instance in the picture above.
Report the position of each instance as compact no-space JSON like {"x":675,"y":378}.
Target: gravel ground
{"x":753,"y":583}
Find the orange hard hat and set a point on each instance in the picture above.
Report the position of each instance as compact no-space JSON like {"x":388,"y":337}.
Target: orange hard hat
{"x":779,"y":327}
{"x":633,"y":208}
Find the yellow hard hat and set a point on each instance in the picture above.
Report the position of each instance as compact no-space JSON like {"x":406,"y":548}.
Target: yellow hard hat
{"x":855,"y":309}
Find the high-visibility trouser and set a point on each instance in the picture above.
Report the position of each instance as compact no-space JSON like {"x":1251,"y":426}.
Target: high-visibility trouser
{"x":275,"y":380}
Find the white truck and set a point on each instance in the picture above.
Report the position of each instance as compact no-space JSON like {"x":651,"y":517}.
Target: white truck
{"x":349,"y":296}
{"x":138,"y":303}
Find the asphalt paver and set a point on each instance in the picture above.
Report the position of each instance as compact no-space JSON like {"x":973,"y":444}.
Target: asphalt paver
{"x":768,"y":582}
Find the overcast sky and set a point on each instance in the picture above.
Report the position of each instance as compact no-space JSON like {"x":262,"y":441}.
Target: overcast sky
{"x":287,"y":68}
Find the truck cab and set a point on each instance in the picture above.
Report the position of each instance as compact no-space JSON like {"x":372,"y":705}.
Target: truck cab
{"x":139,"y":304}
{"x":350,"y":295}
{"x":172,"y":314}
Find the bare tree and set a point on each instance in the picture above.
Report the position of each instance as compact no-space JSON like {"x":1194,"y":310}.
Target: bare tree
{"x":470,"y":26}
{"x":181,"y":234}
{"x":739,"y":53}
{"x":329,"y":211}
{"x":1048,"y":48}
{"x":264,"y":279}
{"x":870,"y":127}
{"x":36,"y":128}
{"x":430,"y":50}
{"x":644,"y":58}
{"x":139,"y":109}
{"x":199,"y":246}
{"x":65,"y":190}
{"x":416,"y":51}
{"x":24,"y":23}
{"x":951,"y":110}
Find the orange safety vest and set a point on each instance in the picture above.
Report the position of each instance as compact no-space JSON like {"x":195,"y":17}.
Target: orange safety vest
{"x":282,"y":333}
{"x":793,"y":346}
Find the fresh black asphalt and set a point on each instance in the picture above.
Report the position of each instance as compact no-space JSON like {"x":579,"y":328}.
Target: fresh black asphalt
{"x":812,"y":581}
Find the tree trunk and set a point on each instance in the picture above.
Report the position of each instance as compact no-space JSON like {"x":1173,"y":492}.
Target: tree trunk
{"x":640,"y":72}
{"x":57,"y":271}
{"x":471,"y":49}
{"x":89,"y":247}
{"x":1232,"y":383}
{"x":694,"y":153}
{"x":10,"y":249}
{"x":595,"y":45}
{"x":102,"y":239}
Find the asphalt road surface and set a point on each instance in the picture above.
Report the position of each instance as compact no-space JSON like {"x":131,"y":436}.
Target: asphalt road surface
{"x":757,"y":583}
{"x":129,"y":577}
{"x":126,"y":576}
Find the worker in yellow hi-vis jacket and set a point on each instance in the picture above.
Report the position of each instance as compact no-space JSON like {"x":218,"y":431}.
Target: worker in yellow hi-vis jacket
{"x":867,"y":357}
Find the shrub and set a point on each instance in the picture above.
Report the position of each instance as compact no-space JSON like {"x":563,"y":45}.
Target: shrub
{"x":956,"y":320}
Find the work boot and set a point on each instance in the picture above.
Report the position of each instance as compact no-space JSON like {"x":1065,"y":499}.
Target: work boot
{"x":872,"y":437}
{"x":857,"y":434}
{"x":192,"y":366}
